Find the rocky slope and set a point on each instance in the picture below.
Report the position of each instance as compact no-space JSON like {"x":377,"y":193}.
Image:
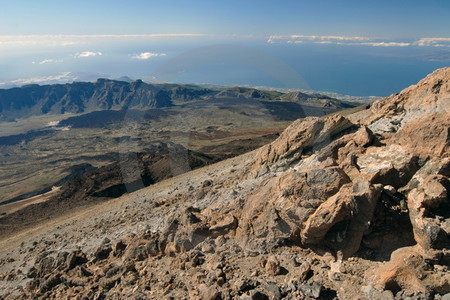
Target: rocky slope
{"x":352,"y":207}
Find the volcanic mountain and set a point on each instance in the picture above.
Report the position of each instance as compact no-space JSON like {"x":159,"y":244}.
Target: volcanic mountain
{"x":105,"y":94}
{"x":350,"y":206}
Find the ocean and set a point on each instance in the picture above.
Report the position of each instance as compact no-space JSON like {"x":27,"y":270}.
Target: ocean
{"x":345,"y":69}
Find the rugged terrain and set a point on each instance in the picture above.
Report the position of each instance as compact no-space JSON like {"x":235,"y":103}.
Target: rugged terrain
{"x":106,"y":94}
{"x":347,"y":206}
{"x":65,"y":129}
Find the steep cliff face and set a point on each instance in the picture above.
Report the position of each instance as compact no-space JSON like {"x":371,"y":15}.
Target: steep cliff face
{"x":80,"y":97}
{"x":352,"y":206}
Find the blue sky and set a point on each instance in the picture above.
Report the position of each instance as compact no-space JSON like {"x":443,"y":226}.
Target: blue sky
{"x":347,"y":46}
{"x":380,"y":18}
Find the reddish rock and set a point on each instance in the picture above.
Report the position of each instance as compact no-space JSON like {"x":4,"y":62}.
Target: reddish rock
{"x":427,"y":205}
{"x":404,"y":271}
{"x":272,"y":266}
{"x":354,"y":205}
{"x":297,"y":140}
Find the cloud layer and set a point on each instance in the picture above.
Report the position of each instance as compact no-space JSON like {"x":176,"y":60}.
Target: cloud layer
{"x":146,"y":55}
{"x":63,"y":40}
{"x":433,"y":42}
{"x":61,"y":77}
{"x":356,"y":41}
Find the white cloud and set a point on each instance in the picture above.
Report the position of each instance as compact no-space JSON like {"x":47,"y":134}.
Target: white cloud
{"x":384,"y":44}
{"x":64,"y":40}
{"x":59,"y":78}
{"x":94,"y":36}
{"x":87,"y":54}
{"x":433,"y":42}
{"x":330,"y":38}
{"x":314,"y":38}
{"x":324,"y":42}
{"x":338,"y":40}
{"x":36,"y":40}
{"x":49,"y":61}
{"x":146,"y":55}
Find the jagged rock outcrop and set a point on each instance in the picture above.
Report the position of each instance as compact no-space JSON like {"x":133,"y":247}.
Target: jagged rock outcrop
{"x":299,"y":139}
{"x":429,"y":96}
{"x":393,"y":157}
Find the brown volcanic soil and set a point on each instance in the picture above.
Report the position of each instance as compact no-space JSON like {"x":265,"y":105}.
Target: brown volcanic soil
{"x":335,"y":208}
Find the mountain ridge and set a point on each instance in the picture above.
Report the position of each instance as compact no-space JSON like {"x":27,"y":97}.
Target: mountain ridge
{"x":106,"y":94}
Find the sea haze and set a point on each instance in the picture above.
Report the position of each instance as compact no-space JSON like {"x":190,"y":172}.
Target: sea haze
{"x":360,"y":70}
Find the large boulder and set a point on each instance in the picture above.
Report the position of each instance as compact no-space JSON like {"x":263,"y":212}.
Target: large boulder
{"x":344,"y":217}
{"x":429,"y":208}
{"x":409,"y":271}
{"x":432,"y":140}
{"x":279,"y":208}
